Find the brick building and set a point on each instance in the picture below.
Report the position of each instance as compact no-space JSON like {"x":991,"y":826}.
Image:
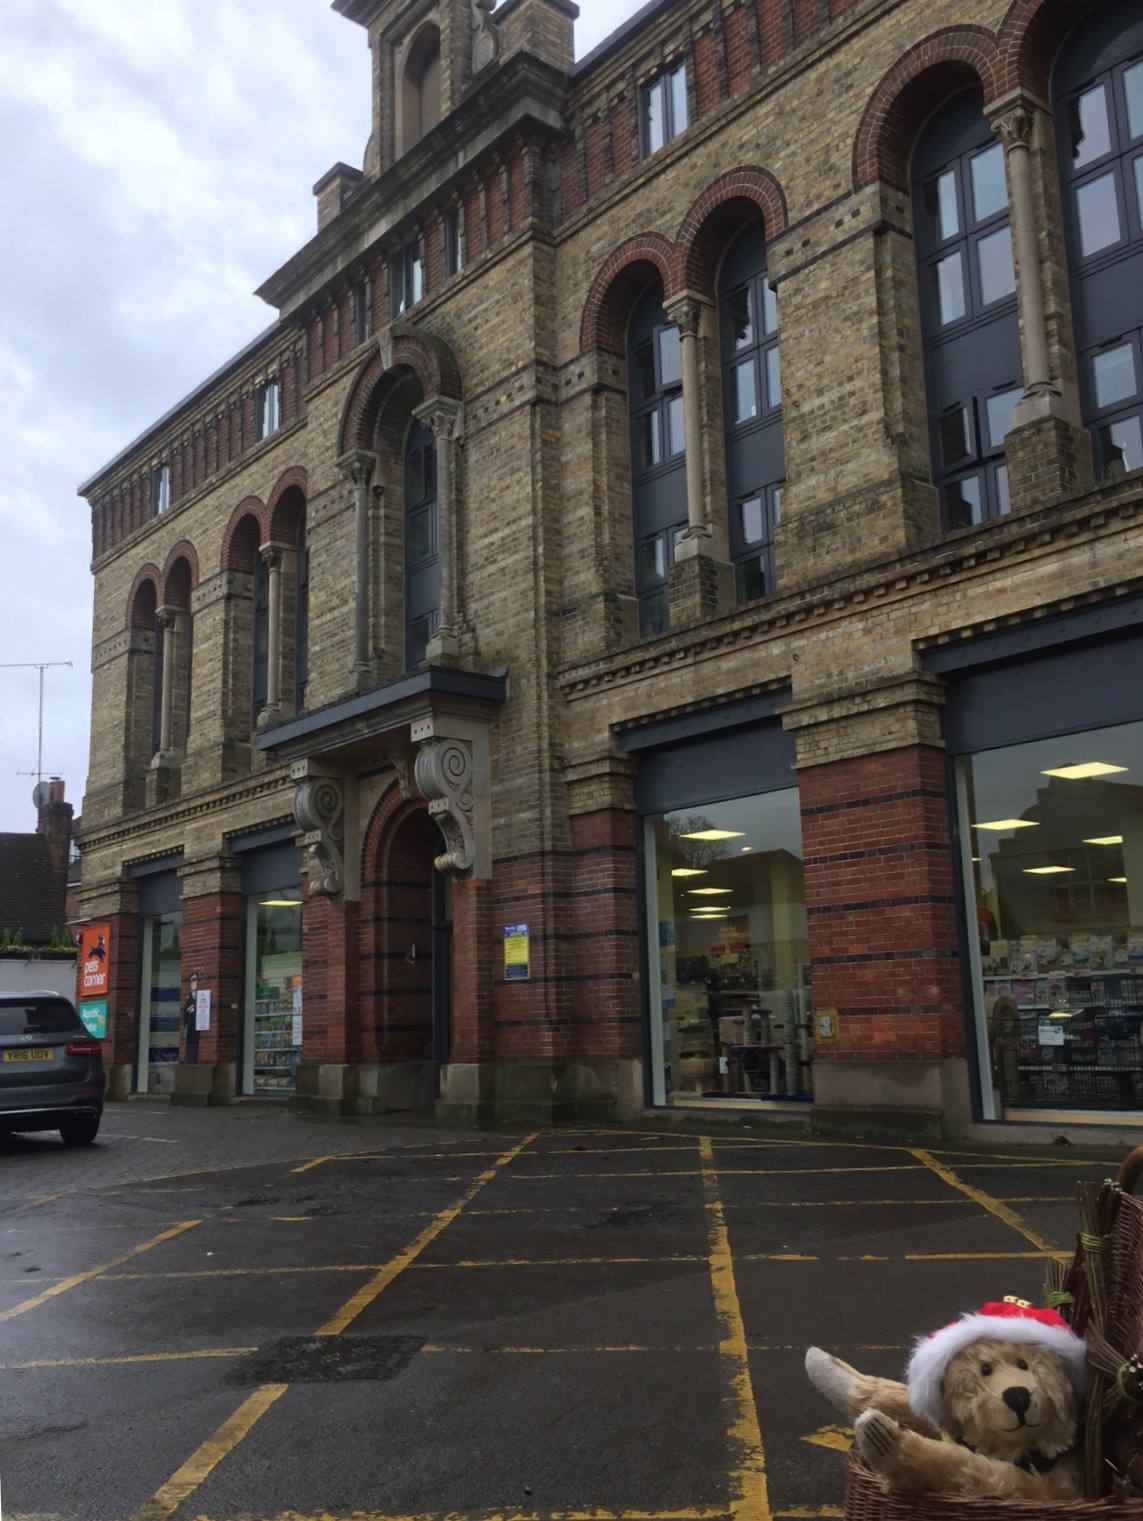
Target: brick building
{"x":516,"y":689}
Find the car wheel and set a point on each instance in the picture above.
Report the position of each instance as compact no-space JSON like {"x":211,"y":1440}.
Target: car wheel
{"x":79,"y":1132}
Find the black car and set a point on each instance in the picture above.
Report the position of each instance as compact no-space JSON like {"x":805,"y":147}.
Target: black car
{"x":51,"y":1069}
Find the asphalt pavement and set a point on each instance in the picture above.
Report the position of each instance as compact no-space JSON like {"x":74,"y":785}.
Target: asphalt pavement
{"x":238,"y":1313}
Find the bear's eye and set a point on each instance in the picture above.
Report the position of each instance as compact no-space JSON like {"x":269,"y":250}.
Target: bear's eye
{"x":985,"y":1370}
{"x":1022,"y":1365}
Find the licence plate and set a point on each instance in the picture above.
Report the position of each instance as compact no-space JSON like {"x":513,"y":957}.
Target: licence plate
{"x":29,"y":1054}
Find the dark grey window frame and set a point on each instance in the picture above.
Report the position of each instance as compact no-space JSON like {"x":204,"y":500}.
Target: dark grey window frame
{"x":422,"y":570}
{"x":406,"y":278}
{"x":160,"y":490}
{"x":268,"y":408}
{"x":659,"y":509}
{"x":259,"y":636}
{"x":669,"y":91}
{"x":972,"y":359}
{"x":301,"y":616}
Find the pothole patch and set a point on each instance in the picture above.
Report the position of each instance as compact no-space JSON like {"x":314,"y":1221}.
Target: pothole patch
{"x":325,"y":1360}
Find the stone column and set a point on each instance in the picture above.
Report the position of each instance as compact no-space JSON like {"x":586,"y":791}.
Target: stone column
{"x":700,"y":583}
{"x":165,"y":627}
{"x":1049,"y":454}
{"x":358,"y":466}
{"x":442,"y":417}
{"x":272,"y":560}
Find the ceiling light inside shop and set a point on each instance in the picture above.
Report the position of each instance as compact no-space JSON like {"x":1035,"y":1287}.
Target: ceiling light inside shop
{"x":714,"y":834}
{"x":279,"y":903}
{"x":687,"y":871}
{"x":1105,"y":839}
{"x":1060,"y":1014}
{"x":1046,"y":871}
{"x":1117,"y":879}
{"x":745,"y":849}
{"x":1081,"y":772}
{"x":999,"y":824}
{"x":708,"y":892}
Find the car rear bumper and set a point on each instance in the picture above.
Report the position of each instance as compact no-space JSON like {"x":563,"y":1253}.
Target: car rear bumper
{"x":42,"y":1106}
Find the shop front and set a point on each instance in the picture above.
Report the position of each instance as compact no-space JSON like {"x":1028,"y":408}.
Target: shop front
{"x":1047,"y":767}
{"x":271,"y":1042}
{"x":159,"y":1006}
{"x":728,"y":1002}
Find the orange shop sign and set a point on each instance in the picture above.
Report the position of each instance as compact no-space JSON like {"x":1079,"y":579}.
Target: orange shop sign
{"x":94,"y":956}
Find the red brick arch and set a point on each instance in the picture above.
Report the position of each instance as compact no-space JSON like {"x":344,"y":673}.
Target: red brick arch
{"x":178,"y":587}
{"x":717,"y":215}
{"x":141,"y":609}
{"x":285,"y":504}
{"x":626,"y":273}
{"x":409,"y":351}
{"x":239,"y":543}
{"x":1030,"y":37}
{"x":912,"y":89}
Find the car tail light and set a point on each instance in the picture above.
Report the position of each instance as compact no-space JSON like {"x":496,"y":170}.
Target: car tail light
{"x":90,"y":1048}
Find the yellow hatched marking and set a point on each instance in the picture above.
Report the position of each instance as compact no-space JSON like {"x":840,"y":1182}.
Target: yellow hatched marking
{"x":750,"y":1499}
{"x":986,"y":1201}
{"x":97,"y":1272}
{"x":369,"y":1292}
{"x":139,"y":1357}
{"x":201,"y":1463}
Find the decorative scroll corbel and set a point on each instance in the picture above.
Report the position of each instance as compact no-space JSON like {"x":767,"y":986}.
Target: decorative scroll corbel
{"x":444,"y":774}
{"x":319,"y":808}
{"x":485,"y":37}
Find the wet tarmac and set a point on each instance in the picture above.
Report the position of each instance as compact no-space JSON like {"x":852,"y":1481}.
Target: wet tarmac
{"x":383,"y":1321}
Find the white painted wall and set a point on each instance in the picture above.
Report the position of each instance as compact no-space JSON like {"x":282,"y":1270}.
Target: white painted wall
{"x":38,"y":976}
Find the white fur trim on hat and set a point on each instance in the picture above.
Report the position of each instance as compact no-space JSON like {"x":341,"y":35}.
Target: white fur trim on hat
{"x":932,"y":1355}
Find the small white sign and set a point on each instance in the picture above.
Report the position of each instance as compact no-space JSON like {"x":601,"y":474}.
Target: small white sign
{"x":1051,"y":1035}
{"x":296,"y":1034}
{"x":202,"y":1009}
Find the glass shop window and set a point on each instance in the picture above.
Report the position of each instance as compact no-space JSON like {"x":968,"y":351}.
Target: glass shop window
{"x":729,"y":976}
{"x":273,"y":990}
{"x":1053,"y":838}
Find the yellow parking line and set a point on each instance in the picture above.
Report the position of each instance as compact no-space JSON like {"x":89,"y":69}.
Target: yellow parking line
{"x":201,"y":1463}
{"x":139,"y":1357}
{"x":369,"y":1292}
{"x":77,"y":1278}
{"x":596,"y":1513}
{"x":986,"y":1201}
{"x":750,"y":1499}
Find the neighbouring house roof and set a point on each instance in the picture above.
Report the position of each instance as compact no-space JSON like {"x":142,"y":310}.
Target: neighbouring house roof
{"x":31,"y":893}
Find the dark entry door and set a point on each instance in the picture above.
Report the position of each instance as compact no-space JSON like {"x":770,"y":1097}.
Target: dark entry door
{"x":442,"y":967}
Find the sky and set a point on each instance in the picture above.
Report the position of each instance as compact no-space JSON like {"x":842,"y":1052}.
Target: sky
{"x":159,"y":158}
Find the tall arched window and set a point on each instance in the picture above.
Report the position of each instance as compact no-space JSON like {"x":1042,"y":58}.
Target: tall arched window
{"x":1098,"y":103}
{"x":973,"y":375}
{"x":422,"y":566}
{"x":752,"y":409}
{"x":658,"y":463}
{"x":301,"y":617}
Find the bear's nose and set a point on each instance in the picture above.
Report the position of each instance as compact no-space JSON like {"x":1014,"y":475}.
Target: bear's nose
{"x":1017,"y":1398}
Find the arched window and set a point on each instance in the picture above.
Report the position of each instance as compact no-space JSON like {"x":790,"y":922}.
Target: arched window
{"x":422,"y":566}
{"x":301,"y":617}
{"x":752,"y":409}
{"x":973,"y":375}
{"x":421,"y":88}
{"x":1098,"y":104}
{"x":157,"y":690}
{"x":259,"y":681}
{"x":658,"y":464}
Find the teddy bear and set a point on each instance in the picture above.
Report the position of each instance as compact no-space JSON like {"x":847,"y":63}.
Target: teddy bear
{"x":989,"y":1407}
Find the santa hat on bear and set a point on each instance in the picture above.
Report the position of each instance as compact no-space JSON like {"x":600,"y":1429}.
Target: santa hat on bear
{"x":1013,"y":1320}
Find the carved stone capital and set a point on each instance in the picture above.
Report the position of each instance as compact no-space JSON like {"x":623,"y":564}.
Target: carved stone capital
{"x":444,"y":773}
{"x":686,"y":313}
{"x":319,"y":808}
{"x":442,"y":416}
{"x":271,"y":556}
{"x":1015,"y":126}
{"x":357,"y":465}
{"x":165,"y":621}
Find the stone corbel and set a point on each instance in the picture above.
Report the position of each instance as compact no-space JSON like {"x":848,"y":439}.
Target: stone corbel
{"x":319,"y":808}
{"x":485,"y":37}
{"x":452,"y":773}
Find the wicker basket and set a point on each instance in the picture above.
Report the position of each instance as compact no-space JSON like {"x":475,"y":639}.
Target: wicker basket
{"x":1102,"y":1295}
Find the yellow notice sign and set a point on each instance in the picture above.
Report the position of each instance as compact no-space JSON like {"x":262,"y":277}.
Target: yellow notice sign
{"x":516,"y":953}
